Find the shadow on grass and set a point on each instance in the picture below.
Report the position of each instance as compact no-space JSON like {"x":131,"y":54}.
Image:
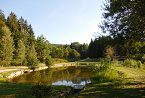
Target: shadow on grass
{"x":117,"y":89}
{"x":14,"y":89}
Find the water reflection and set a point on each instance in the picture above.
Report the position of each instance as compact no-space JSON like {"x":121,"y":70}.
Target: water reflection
{"x":58,"y":76}
{"x":72,"y":82}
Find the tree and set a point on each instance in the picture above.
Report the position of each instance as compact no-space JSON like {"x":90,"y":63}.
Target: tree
{"x":6,"y":46}
{"x":32,"y":58}
{"x":20,"y":51}
{"x":12,"y":24}
{"x":48,"y":61}
{"x":2,"y":19}
{"x":66,"y":52}
{"x":124,"y":20}
{"x":43,"y":48}
{"x":109,"y":52}
{"x":74,"y":54}
{"x":60,"y":52}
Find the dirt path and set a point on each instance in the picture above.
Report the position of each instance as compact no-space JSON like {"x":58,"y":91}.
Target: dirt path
{"x":12,"y":69}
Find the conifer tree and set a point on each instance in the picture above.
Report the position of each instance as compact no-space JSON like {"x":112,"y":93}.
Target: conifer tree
{"x":20,"y":51}
{"x":32,"y":58}
{"x":2,"y":19}
{"x":6,"y":46}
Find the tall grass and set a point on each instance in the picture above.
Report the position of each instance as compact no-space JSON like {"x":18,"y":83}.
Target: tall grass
{"x":104,"y":72}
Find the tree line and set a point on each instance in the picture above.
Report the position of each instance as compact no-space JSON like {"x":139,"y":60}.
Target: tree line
{"x":18,"y":45}
{"x":124,"y":20}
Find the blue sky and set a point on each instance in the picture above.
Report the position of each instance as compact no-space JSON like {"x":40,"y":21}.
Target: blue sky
{"x":60,"y":21}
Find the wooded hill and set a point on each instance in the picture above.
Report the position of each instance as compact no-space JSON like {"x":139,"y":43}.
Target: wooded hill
{"x":124,"y":20}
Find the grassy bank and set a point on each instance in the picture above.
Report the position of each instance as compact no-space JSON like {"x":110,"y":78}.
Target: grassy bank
{"x":19,"y":90}
{"x":105,"y":84}
{"x":131,"y":85}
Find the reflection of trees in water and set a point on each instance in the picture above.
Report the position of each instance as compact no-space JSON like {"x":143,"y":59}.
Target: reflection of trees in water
{"x":77,"y":81}
{"x":49,"y":75}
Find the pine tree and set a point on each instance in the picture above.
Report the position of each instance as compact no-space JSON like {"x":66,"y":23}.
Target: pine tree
{"x":6,"y":46}
{"x":32,"y":58}
{"x":2,"y":19}
{"x":20,"y":51}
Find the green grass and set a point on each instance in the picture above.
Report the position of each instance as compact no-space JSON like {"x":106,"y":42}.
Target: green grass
{"x":93,"y":60}
{"x":132,"y":85}
{"x":20,"y":90}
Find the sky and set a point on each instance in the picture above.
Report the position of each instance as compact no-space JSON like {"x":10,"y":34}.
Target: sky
{"x":60,"y":21}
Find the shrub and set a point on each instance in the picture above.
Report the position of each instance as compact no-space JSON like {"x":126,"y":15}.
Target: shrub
{"x":104,"y":76}
{"x":104,"y":72}
{"x":139,"y":56}
{"x":40,"y":91}
{"x":143,"y":59}
{"x":126,"y":63}
{"x":139,"y":64}
{"x":132,"y":62}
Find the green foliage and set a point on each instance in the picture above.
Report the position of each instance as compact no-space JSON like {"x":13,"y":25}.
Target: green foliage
{"x":139,"y":56}
{"x":109,"y":52}
{"x":72,"y":59}
{"x":20,"y":51}
{"x":15,"y":62}
{"x":143,"y":59}
{"x":126,"y":63}
{"x":49,"y":61}
{"x":134,"y":63}
{"x":96,"y":47}
{"x":139,"y":64}
{"x":124,"y":20}
{"x":57,"y":52}
{"x":66,"y":52}
{"x":32,"y":58}
{"x":42,"y":48}
{"x":74,"y":54}
{"x":2,"y":19}
{"x":40,"y":91}
{"x":6,"y":46}
{"x":104,"y":72}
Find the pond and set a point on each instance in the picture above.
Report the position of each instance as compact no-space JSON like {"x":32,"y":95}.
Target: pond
{"x":58,"y":76}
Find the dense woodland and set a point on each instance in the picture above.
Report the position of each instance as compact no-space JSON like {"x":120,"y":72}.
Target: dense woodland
{"x":125,"y":22}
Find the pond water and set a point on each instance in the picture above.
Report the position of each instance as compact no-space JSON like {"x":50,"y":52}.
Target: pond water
{"x":58,"y":76}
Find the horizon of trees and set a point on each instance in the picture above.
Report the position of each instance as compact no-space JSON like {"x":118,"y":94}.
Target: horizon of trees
{"x":18,"y":45}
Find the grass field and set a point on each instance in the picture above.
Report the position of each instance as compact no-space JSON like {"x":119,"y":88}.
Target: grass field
{"x":130,"y":86}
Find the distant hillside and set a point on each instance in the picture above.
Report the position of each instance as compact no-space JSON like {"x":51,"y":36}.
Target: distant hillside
{"x":58,"y":44}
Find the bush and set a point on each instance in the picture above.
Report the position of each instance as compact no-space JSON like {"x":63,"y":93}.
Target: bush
{"x":139,"y":56}
{"x":126,"y":63}
{"x":139,"y":64}
{"x":104,"y":76}
{"x":104,"y":72}
{"x":132,"y":62}
{"x":143,"y":59}
{"x":40,"y":91}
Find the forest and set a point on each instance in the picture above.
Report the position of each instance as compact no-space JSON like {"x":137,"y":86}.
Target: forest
{"x":18,"y":45}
